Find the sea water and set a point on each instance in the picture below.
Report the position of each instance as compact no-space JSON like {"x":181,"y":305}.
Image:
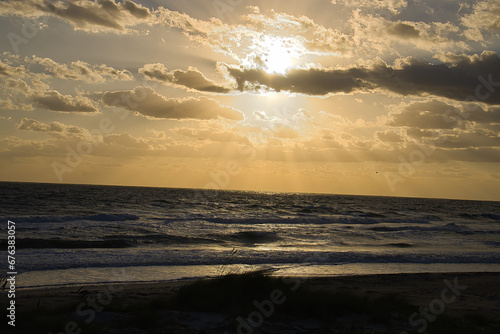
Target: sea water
{"x":78,"y":234}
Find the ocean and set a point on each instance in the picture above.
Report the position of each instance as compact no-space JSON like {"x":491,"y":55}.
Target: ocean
{"x":86,"y":234}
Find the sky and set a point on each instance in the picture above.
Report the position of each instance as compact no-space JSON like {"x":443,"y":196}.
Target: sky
{"x":383,"y":97}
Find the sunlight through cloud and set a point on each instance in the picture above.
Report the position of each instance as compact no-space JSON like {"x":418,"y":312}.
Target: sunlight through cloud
{"x":274,"y":54}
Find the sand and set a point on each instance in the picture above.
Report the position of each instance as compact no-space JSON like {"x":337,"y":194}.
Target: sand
{"x":447,"y":294}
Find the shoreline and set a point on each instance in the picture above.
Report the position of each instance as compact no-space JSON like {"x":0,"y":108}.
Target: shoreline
{"x":365,"y":284}
{"x":160,"y":274}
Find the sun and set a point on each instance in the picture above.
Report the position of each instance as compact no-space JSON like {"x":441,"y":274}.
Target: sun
{"x":278,"y":56}
{"x":273,"y":54}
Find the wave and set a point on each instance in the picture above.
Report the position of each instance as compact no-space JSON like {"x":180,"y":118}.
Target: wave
{"x":71,"y":244}
{"x":492,"y":243}
{"x":102,"y":217}
{"x":254,"y":237}
{"x":452,"y":227}
{"x":492,"y":216}
{"x":314,"y":220}
{"x":399,"y":245}
{"x":243,"y":237}
{"x":44,"y":259}
{"x":110,"y":242}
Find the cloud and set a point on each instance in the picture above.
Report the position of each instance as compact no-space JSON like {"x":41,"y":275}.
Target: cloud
{"x":17,"y":85}
{"x":80,"y":70}
{"x":392,"y":5}
{"x":242,"y":41}
{"x":390,"y":136}
{"x":91,"y":16}
{"x":381,"y":35}
{"x":459,"y":81}
{"x":191,"y":79}
{"x":469,"y":139}
{"x":8,"y":104}
{"x":211,"y":135}
{"x":484,"y":18}
{"x":285,"y":132}
{"x":34,"y":125}
{"x":19,"y":93}
{"x":55,"y":129}
{"x":484,"y":116}
{"x":475,"y":138}
{"x":7,"y":70}
{"x":302,"y":29}
{"x":304,"y":81}
{"x":53,"y":100}
{"x":37,"y":69}
{"x":403,"y":30}
{"x":148,"y":103}
{"x":427,"y":115}
{"x":439,"y":124}
{"x":126,"y":140}
{"x":435,"y":114}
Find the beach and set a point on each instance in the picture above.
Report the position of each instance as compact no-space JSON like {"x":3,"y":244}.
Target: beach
{"x":472,"y":298}
{"x":103,"y":259}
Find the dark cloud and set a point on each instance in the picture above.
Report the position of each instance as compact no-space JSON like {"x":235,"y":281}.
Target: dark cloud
{"x":53,"y":100}
{"x":459,"y":81}
{"x":488,"y":116}
{"x":87,"y":15}
{"x":136,"y":10}
{"x":403,"y":30}
{"x":81,"y":15}
{"x":148,"y":103}
{"x":310,"y":82}
{"x":192,"y":78}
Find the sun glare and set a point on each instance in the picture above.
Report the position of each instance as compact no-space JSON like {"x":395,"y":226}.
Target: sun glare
{"x":279,"y":57}
{"x":274,"y":54}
